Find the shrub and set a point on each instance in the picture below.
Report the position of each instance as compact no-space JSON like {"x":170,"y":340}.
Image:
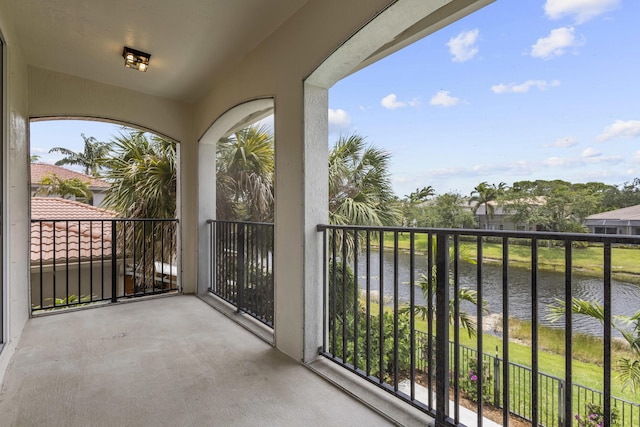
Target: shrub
{"x":469,"y":381}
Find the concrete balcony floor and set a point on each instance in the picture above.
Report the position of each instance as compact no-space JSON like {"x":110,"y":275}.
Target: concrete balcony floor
{"x":170,"y":361}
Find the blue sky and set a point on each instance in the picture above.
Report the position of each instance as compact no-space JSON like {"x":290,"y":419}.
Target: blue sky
{"x":520,"y":90}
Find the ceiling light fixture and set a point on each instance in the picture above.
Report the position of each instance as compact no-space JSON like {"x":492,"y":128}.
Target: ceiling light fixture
{"x":135,"y":59}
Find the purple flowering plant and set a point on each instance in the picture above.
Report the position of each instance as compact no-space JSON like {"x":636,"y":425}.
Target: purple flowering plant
{"x":469,"y":381}
{"x":594,"y":416}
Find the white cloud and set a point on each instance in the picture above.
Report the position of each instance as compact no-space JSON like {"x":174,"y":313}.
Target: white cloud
{"x":554,"y":161}
{"x":555,"y":44}
{"x":621,"y":128}
{"x":391,"y":102}
{"x":590,"y":153}
{"x":608,"y":160}
{"x":338,"y":120}
{"x":38,"y":150}
{"x":524,"y":87}
{"x":463,"y":46}
{"x":568,"y":141}
{"x":636,"y":157}
{"x":589,"y":157}
{"x":443,"y":98}
{"x":581,"y":10}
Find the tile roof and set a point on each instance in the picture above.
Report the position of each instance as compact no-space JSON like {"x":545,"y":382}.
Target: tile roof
{"x":629,"y":213}
{"x":40,"y":170}
{"x":72,"y":236}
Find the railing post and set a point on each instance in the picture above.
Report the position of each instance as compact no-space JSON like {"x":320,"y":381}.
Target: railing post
{"x":496,"y":381}
{"x":240,"y":266}
{"x":442,"y":329}
{"x":560,"y":402}
{"x":114,"y":262}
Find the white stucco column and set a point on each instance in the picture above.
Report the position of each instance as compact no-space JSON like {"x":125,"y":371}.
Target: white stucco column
{"x":206,"y":211}
{"x":316,"y":200}
{"x":301,"y":204}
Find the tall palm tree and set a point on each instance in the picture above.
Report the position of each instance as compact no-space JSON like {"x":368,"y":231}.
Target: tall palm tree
{"x":245,"y":167}
{"x":485,"y":195}
{"x":142,"y":173}
{"x":360,"y":190}
{"x":89,"y":159}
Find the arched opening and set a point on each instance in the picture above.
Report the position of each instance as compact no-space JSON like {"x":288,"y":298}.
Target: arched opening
{"x":236,"y":193}
{"x":104,"y":213}
{"x":534,"y":129}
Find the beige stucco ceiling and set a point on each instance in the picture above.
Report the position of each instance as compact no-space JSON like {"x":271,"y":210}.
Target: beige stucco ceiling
{"x":190,"y":41}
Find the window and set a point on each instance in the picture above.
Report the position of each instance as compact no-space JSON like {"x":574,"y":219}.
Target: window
{"x":606,"y":230}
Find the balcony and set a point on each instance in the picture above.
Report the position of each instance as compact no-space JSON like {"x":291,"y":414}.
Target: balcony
{"x":394,"y":281}
{"x":374,"y":278}
{"x":165,"y":361}
{"x":172,"y":358}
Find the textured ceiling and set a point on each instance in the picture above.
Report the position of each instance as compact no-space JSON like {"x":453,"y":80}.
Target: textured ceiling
{"x":190,"y":41}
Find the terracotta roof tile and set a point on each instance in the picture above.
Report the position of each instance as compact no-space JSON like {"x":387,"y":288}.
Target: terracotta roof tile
{"x":71,"y":239}
{"x":40,"y":170}
{"x":57,"y":208}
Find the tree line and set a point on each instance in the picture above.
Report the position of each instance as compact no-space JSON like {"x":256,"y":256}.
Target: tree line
{"x":142,"y":171}
{"x":550,"y":205}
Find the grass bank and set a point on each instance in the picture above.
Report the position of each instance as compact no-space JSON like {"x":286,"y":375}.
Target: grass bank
{"x":588,"y":261}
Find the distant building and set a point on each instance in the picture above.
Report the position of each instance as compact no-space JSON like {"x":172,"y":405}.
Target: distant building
{"x":502,"y":218}
{"x":39,"y":171}
{"x":619,"y":221}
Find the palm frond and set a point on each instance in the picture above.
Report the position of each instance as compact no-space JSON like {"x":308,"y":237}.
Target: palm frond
{"x":629,"y":373}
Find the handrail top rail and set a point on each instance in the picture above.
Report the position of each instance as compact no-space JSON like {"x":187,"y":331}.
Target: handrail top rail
{"x":228,"y":221}
{"x":36,"y":220}
{"x":539,"y":235}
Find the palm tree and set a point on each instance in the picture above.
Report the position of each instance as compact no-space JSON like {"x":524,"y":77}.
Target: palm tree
{"x":421,"y":194}
{"x":52,"y":184}
{"x":628,"y":368}
{"x":89,"y":159}
{"x":244,"y":175}
{"x":142,"y":173}
{"x":484,"y":195}
{"x":465,"y":320}
{"x":360,"y":190}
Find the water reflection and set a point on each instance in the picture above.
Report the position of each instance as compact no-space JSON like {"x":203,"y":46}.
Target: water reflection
{"x":625,"y":296}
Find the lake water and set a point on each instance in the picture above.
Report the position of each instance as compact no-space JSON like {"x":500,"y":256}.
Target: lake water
{"x":625,"y":296}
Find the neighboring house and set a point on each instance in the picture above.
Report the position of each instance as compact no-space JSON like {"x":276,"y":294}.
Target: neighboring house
{"x":619,"y":221}
{"x":70,"y":256}
{"x":40,"y":170}
{"x":502,"y":218}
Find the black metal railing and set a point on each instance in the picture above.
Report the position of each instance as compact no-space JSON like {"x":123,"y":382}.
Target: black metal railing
{"x":550,"y":388}
{"x":83,"y":261}
{"x":242,"y":266}
{"x":370,"y":331}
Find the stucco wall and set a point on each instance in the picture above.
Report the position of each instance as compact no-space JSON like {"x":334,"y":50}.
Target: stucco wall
{"x":15,"y":192}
